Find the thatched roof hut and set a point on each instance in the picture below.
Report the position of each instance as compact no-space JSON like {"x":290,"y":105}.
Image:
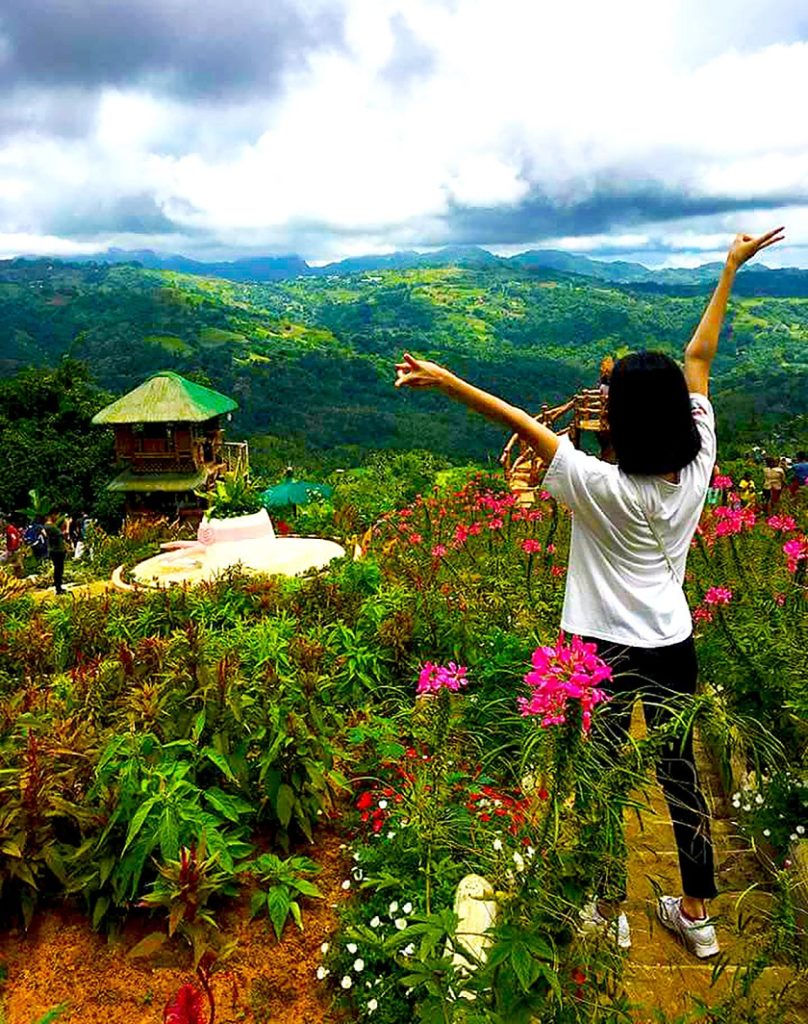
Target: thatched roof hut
{"x":166,"y":398}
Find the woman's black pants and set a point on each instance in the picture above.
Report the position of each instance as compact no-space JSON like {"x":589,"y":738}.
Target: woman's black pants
{"x":657,"y":675}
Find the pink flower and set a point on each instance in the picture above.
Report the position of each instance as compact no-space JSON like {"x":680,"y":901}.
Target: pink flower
{"x":461,"y":535}
{"x":530,"y":547}
{"x":434,"y":678}
{"x":718,"y":595}
{"x":415,"y":538}
{"x":722,"y":482}
{"x":702,"y":614}
{"x":544,"y":495}
{"x":474,"y":529}
{"x":495,"y":523}
{"x":784,"y":523}
{"x":563,"y":673}
{"x":796,"y":550}
{"x":439,"y":550}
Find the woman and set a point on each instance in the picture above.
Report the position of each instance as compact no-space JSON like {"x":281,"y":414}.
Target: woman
{"x":631,"y":532}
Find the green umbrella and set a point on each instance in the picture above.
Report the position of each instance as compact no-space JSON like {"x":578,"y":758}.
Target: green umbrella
{"x":294,"y":492}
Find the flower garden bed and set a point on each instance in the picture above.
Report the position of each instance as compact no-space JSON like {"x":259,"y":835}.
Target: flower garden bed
{"x":171,"y":754}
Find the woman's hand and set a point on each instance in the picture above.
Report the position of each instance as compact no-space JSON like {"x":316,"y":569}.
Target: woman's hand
{"x":418,"y":373}
{"x":744,"y":247}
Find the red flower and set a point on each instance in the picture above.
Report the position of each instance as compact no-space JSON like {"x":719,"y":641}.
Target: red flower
{"x":365,"y":800}
{"x":186,"y":1007}
{"x":578,"y":976}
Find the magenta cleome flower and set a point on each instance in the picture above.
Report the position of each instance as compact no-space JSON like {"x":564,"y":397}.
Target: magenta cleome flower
{"x":434,"y":678}
{"x":718,"y":595}
{"x":530,"y":547}
{"x":796,"y":551}
{"x":782,"y":523}
{"x":563,"y":673}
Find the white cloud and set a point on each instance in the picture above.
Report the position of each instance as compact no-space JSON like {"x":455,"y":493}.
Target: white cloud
{"x":519,"y":96}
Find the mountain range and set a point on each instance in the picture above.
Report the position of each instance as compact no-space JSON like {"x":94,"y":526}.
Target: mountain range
{"x":755,"y":280}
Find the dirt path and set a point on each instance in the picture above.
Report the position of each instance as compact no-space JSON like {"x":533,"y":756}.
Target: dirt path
{"x":265,"y":982}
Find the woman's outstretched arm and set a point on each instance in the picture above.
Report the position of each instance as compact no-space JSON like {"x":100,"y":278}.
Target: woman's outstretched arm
{"x":418,"y":373}
{"x":702,"y":347}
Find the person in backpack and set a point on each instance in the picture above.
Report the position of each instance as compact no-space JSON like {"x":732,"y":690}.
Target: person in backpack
{"x":632,"y":526}
{"x":36,"y":539}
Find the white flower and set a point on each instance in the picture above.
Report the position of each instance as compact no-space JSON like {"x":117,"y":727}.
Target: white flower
{"x":497,"y":845}
{"x":530,"y":853}
{"x":719,"y":688}
{"x":409,"y":949}
{"x":758,"y":799}
{"x":767,"y":832}
{"x":400,"y":923}
{"x":736,"y":796}
{"x":393,"y":909}
{"x":359,"y":965}
{"x":346,"y":981}
{"x":376,"y":921}
{"x":373,"y":1005}
{"x":747,"y":807}
{"x":358,"y":874}
{"x":324,"y":948}
{"x":793,"y":837}
{"x":382,"y":805}
{"x":352,"y":948}
{"x":391,"y":835}
{"x":346,"y":884}
{"x":519,"y":861}
{"x":357,"y":855}
{"x":322,"y":972}
{"x":801,"y":829}
{"x":407,"y":908}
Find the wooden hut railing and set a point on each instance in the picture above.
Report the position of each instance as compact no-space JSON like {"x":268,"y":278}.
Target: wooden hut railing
{"x":236,"y":456}
{"x":522,"y":465}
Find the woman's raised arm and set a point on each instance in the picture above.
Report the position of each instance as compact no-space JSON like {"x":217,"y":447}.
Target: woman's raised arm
{"x":701,"y":349}
{"x":418,"y":373}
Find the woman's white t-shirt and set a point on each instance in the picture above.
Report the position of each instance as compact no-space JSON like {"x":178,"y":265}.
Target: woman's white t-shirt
{"x":620,"y":586}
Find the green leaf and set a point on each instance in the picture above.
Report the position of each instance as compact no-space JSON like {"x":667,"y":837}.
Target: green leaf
{"x":198,"y":726}
{"x":278,"y":906}
{"x":307,"y":888}
{"x":100,"y":908}
{"x":52,"y":1014}
{"x":285,"y":803}
{"x":232,"y":807}
{"x":149,"y":945}
{"x":220,"y":761}
{"x":525,"y":967}
{"x":296,"y":914}
{"x":136,"y":824}
{"x":257,"y":902}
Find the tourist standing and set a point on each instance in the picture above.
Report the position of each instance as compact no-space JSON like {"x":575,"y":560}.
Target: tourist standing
{"x":56,"y":551}
{"x":631,"y":531}
{"x":774,"y":478}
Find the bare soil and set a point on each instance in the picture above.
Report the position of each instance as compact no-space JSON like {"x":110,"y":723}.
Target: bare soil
{"x":61,"y":960}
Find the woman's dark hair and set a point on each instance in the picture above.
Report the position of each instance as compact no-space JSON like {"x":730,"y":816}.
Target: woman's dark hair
{"x":650,"y":419}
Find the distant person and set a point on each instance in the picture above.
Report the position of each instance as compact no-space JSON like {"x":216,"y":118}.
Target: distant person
{"x":774,"y":479}
{"x":747,"y":491}
{"x":603,"y":435}
{"x":632,"y":526}
{"x":14,"y":552}
{"x":56,"y":550}
{"x":799,"y":470}
{"x":36,"y":539}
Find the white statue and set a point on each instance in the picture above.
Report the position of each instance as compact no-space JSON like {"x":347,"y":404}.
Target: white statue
{"x":476,"y":911}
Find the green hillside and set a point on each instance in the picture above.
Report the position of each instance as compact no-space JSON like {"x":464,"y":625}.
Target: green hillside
{"x":313,"y":355}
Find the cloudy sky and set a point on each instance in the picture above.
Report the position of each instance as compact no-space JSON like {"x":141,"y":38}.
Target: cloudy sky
{"x":329,"y":128}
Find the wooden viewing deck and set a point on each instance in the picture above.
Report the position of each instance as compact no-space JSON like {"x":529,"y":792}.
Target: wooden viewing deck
{"x":523,"y":466}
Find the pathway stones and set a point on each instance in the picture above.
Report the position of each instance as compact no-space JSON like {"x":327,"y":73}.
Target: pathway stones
{"x":660,"y":973}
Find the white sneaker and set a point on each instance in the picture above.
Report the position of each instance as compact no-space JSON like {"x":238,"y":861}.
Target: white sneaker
{"x":616,"y":928}
{"x":697,"y":935}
